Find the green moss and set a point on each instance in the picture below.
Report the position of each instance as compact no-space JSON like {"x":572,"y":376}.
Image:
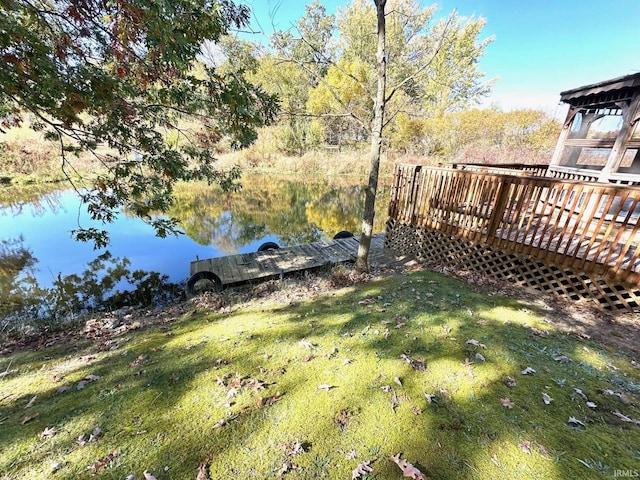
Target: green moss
{"x":162,"y":394}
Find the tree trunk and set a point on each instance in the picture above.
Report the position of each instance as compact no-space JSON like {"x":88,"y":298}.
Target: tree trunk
{"x":362,"y":262}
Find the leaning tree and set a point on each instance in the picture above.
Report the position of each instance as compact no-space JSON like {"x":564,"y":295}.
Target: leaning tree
{"x":418,"y":66}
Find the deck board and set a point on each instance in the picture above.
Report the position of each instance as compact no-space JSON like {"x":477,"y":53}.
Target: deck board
{"x":246,"y":267}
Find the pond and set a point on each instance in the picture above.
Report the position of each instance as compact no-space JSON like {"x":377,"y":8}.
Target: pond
{"x":214,"y":223}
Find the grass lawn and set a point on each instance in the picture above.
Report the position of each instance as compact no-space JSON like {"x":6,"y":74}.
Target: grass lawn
{"x":416,"y":364}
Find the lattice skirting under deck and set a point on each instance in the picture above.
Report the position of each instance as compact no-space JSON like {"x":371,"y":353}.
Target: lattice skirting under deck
{"x":434,"y":247}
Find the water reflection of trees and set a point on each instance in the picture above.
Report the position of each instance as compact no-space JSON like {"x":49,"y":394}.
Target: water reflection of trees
{"x":35,"y":200}
{"x":106,"y":284}
{"x":15,"y":259}
{"x":294,"y":212}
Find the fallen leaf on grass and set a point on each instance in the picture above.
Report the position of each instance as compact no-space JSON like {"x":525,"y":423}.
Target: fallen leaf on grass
{"x":394,"y":401}
{"x":581,"y":393}
{"x":293,"y":448}
{"x":48,"y":432}
{"x":222,"y":381}
{"x":148,"y":476}
{"x":306,"y":344}
{"x":237,"y":381}
{"x":203,"y":472}
{"x":220,"y":423}
{"x":507,"y":403}
{"x":430,"y":397}
{"x":526,"y":447}
{"x":267,"y":402}
{"x":325,"y":387}
{"x":575,"y":421}
{"x":624,"y":418}
{"x":475,"y":343}
{"x":139,"y":362}
{"x":363,"y":469}
{"x":255,"y":384}
{"x":528,"y":371}
{"x":562,"y":359}
{"x":287,"y":466}
{"x":623,"y":398}
{"x":397,"y":380}
{"x":592,"y":405}
{"x":419,"y":365}
{"x":509,"y":382}
{"x":103,"y":462}
{"x":546,"y":399}
{"x":408,"y":470}
{"x":89,"y":378}
{"x":28,"y":418}
{"x":351,"y":455}
{"x":539,"y":332}
{"x":31,"y":402}
{"x":94,"y":436}
{"x":63,"y":389}
{"x":480,"y":357}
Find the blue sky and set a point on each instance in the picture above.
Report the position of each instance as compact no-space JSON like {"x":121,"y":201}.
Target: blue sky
{"x":540,"y":47}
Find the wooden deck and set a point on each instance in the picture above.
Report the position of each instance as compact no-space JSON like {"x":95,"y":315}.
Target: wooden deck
{"x":591,"y":229}
{"x":586,"y":226}
{"x":248,"y":267}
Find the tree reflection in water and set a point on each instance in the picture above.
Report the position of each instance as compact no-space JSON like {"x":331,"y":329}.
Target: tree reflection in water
{"x":268,"y":207}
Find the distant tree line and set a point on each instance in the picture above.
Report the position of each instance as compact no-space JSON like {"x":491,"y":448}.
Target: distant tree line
{"x":323,"y":70}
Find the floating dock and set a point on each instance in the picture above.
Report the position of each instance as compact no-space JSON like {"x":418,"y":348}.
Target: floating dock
{"x":244,"y":268}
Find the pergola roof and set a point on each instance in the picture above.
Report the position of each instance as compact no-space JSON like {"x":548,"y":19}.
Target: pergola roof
{"x":604,"y":94}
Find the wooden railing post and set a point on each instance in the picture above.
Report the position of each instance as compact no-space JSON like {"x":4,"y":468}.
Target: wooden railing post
{"x":395,"y":194}
{"x":498,"y":208}
{"x":414,"y":193}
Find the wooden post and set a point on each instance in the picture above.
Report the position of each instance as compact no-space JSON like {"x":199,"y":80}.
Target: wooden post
{"x":564,"y":134}
{"x":414,"y":193}
{"x":630,"y":114}
{"x":498,"y":207}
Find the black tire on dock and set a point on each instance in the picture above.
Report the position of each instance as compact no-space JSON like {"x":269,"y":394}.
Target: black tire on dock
{"x":342,"y":234}
{"x":268,"y":246}
{"x":209,"y":281}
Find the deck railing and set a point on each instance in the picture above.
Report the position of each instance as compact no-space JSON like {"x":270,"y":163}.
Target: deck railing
{"x":584,"y":226}
{"x":507,"y":168}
